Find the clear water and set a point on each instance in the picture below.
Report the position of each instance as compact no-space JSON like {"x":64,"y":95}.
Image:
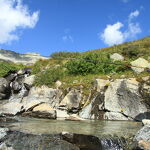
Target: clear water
{"x":44,"y":126}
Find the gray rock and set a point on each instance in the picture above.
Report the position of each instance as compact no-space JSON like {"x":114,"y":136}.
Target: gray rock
{"x":116,"y":57}
{"x":3,"y":132}
{"x":11,"y":108}
{"x":4,"y":89}
{"x":140,"y":62}
{"x":29,"y":80}
{"x":101,"y":84}
{"x":146,"y":122}
{"x":94,"y":110}
{"x":72,"y":100}
{"x":61,"y":114}
{"x":122,"y":96}
{"x":24,"y":141}
{"x":43,"y":94}
{"x":114,"y":116}
{"x":143,"y":134}
{"x":3,"y":146}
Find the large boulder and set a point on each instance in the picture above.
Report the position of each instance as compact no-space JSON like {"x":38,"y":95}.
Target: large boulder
{"x":4,"y":89}
{"x":139,"y":65}
{"x":43,"y":94}
{"x":72,"y":100}
{"x":122,"y":96}
{"x":116,"y":57}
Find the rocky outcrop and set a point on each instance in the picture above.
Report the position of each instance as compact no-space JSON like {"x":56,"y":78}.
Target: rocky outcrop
{"x":121,"y":100}
{"x":25,"y":59}
{"x":123,"y":97}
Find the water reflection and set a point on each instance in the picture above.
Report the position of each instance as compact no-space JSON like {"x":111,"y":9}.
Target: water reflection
{"x":43,"y":126}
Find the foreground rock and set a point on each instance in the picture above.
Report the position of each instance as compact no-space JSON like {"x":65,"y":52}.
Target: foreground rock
{"x":15,"y":140}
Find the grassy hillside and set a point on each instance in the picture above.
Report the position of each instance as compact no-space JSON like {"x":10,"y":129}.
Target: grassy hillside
{"x":75,"y":69}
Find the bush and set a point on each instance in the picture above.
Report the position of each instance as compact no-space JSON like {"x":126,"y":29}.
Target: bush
{"x":65,"y":55}
{"x":93,"y":64}
{"x":49,"y":77}
{"x":131,"y":51}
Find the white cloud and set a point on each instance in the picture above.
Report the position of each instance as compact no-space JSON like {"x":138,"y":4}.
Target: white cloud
{"x":13,"y":16}
{"x":112,"y":34}
{"x":134,"y":14}
{"x":68,"y":38}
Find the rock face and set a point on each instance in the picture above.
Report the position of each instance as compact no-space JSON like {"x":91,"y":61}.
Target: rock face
{"x":120,"y":101}
{"x":122,"y":96}
{"x":25,"y":59}
{"x":116,"y":57}
{"x":140,"y":62}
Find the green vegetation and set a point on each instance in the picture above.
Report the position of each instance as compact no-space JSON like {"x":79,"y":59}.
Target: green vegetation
{"x":49,"y":76}
{"x":6,"y":67}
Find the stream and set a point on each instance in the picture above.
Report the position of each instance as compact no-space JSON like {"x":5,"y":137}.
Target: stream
{"x":31,"y":133}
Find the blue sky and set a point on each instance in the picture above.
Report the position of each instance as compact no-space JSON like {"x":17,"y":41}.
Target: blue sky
{"x":47,"y":26}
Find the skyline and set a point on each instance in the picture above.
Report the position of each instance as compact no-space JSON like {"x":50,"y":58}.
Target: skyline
{"x":67,"y":25}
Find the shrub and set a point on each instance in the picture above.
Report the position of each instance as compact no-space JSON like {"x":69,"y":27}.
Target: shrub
{"x":65,"y":55}
{"x":49,"y":76}
{"x":93,"y":64}
{"x":131,"y":51}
